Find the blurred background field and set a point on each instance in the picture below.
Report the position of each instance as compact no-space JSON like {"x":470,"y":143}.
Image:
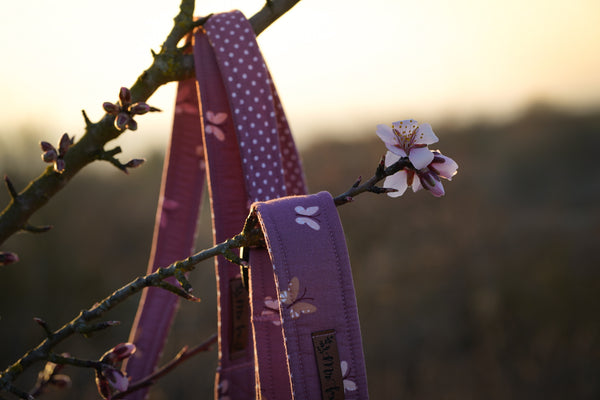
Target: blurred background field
{"x":492,"y":292}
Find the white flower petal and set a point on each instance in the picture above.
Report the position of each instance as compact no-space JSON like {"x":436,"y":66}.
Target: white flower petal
{"x":420,"y":157}
{"x":396,"y":150}
{"x":416,"y":186}
{"x":425,"y":135}
{"x":396,"y":181}
{"x":447,"y":169}
{"x":344,"y":365}
{"x":386,"y":134}
{"x":406,"y":126}
{"x":391,"y":158}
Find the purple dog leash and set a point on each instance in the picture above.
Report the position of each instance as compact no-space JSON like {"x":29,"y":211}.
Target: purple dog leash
{"x":243,"y":143}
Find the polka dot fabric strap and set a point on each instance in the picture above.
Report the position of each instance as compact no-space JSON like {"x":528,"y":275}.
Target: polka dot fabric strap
{"x":251,"y":157}
{"x":261,"y":127}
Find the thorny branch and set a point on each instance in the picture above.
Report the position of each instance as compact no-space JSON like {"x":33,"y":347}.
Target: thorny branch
{"x":183,"y":355}
{"x":171,"y":63}
{"x":251,"y":236}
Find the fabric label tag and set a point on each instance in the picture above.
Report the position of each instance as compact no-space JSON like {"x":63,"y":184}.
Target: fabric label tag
{"x":240,"y":316}
{"x":328,"y":364}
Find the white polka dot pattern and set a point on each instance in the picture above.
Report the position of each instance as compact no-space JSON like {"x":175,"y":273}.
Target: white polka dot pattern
{"x":269,"y":157}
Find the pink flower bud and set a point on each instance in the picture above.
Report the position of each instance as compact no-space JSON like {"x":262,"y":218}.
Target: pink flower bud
{"x":59,"y":165}
{"x":8,"y":258}
{"x":63,"y":146}
{"x":118,"y":353}
{"x":50,"y":156}
{"x":132,"y":125}
{"x":139,"y":108}
{"x":123,"y":350}
{"x":111,"y":108}
{"x":121,"y":121}
{"x":136,"y":162}
{"x":124,"y":96}
{"x":46,"y":146}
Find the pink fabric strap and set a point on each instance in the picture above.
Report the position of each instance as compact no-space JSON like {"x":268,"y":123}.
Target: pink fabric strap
{"x":177,"y":213}
{"x":304,"y":316}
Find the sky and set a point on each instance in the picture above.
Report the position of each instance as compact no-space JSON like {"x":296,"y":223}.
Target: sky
{"x":341,"y":66}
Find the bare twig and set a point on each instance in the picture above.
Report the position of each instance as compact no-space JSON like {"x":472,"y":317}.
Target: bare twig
{"x":81,"y":324}
{"x":371,"y":185}
{"x":183,"y":355}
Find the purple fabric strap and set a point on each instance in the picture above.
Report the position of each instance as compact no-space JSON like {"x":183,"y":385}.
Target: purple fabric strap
{"x":230,"y":124}
{"x":304,"y":316}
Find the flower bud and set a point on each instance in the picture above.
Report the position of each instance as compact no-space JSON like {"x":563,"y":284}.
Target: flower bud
{"x":50,"y":156}
{"x":139,"y":108}
{"x":125,"y":97}
{"x":132,"y":125}
{"x":111,"y":108}
{"x":118,"y":353}
{"x":8,"y":258}
{"x":122,"y":120}
{"x":59,"y":165}
{"x":136,"y":162}
{"x":63,"y":146}
{"x":46,"y":146}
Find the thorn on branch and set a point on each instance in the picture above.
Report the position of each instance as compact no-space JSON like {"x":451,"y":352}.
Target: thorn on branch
{"x":185,"y":284}
{"x":380,"y":171}
{"x":355,"y":185}
{"x":177,"y":290}
{"x":44,"y":325}
{"x":232,"y":257}
{"x":201,"y":21}
{"x":11,"y":188}
{"x":110,"y":157}
{"x":88,"y":122}
{"x":37,"y":229}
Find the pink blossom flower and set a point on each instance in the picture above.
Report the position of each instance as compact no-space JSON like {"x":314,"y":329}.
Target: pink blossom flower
{"x":427,"y":177}
{"x":408,"y":138}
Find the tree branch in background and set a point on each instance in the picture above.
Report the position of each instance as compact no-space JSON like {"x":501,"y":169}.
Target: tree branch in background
{"x":183,"y":355}
{"x":170,"y":64}
{"x":251,"y":236}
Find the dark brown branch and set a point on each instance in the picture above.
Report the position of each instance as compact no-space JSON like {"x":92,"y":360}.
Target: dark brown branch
{"x":171,"y":63}
{"x":272,"y":10}
{"x":371,"y":185}
{"x":183,"y":355}
{"x":81,"y":324}
{"x":251,"y":236}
